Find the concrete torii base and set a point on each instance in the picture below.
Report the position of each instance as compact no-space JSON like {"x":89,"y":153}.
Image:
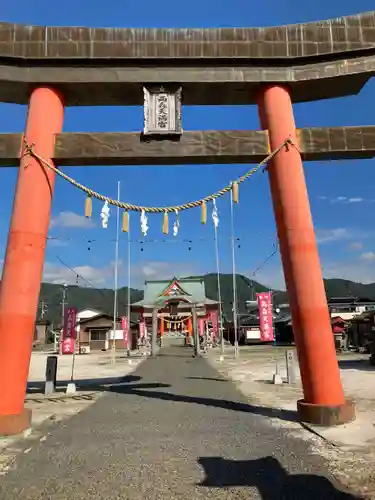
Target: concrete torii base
{"x":324,"y":415}
{"x":71,"y":388}
{"x":11,"y":425}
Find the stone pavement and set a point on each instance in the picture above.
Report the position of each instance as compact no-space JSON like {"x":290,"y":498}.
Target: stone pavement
{"x":253,"y":373}
{"x":176,"y":430}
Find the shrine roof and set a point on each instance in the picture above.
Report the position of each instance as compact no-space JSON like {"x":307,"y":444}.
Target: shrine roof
{"x":147,"y":304}
{"x":191,"y":289}
{"x":332,"y":301}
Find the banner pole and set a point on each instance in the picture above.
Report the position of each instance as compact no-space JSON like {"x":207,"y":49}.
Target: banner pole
{"x":115,"y":305}
{"x":234,"y":278}
{"x":128,"y":293}
{"x":274,"y":336}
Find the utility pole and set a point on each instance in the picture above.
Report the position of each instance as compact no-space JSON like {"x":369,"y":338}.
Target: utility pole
{"x":63,"y":303}
{"x":43,"y":309}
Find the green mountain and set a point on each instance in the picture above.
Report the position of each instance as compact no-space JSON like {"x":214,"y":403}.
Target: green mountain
{"x":102,"y":299}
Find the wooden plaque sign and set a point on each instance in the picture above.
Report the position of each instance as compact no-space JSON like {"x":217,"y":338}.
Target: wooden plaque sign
{"x":162,"y":111}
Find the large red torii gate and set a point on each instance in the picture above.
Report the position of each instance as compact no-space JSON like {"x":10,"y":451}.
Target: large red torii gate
{"x":49,"y":68}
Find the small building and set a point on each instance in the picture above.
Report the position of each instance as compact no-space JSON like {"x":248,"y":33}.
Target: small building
{"x":348,"y":307}
{"x":96,"y":333}
{"x":284,"y":328}
{"x":361,"y":331}
{"x":41,"y":332}
{"x":85,"y":314}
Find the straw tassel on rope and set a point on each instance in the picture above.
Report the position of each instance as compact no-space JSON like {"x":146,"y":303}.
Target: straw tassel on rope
{"x":88,"y":207}
{"x":125,"y":221}
{"x":165,"y":223}
{"x":203,"y":212}
{"x":235,"y":192}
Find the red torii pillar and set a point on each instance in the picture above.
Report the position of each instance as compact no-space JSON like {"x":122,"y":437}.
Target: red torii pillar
{"x":323,"y":401}
{"x":24,"y":259}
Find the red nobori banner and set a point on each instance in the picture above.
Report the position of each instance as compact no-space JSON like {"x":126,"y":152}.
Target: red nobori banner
{"x":265,"y":316}
{"x":201,"y":325}
{"x":69,"y":332}
{"x":215,"y":322}
{"x":125,"y":329}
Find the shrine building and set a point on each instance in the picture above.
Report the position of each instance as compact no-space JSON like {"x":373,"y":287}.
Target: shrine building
{"x":177,"y":302}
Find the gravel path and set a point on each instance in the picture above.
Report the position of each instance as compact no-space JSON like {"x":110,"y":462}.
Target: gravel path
{"x":177,"y":432}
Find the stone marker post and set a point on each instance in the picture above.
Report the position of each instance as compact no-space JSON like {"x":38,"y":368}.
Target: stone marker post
{"x":51,"y":374}
{"x":291,"y":366}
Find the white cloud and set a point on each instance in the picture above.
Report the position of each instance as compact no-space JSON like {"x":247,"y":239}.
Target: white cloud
{"x":355,"y":245}
{"x":357,"y":270}
{"x":329,"y":235}
{"x":339,"y":199}
{"x":368,"y":256}
{"x":343,"y":199}
{"x":341,"y":234}
{"x":104,"y":276}
{"x":59,"y":274}
{"x":270,"y":274}
{"x":272,"y":277}
{"x":360,"y":270}
{"x":56,"y":242}
{"x":72,"y":220}
{"x":154,"y":270}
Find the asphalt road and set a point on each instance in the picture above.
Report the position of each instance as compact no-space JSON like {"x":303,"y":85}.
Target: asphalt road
{"x":172,"y":430}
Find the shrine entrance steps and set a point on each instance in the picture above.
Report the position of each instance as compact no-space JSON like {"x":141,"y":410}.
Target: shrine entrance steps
{"x":173,"y":340}
{"x":174,"y":430}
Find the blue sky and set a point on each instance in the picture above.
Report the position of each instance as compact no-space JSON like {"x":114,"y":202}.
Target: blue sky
{"x":341,"y":193}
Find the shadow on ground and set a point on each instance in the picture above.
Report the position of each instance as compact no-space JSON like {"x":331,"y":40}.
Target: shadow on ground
{"x":165,"y":354}
{"x":271,"y":480}
{"x":356,"y":364}
{"x":91,"y":384}
{"x":141,"y":390}
{"x":126,"y":385}
{"x":208,"y":378}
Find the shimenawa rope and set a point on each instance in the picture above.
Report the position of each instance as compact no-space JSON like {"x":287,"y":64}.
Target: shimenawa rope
{"x":29,"y":150}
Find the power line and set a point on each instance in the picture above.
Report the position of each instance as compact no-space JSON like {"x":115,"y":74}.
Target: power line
{"x":263,"y":264}
{"x":266,"y":260}
{"x":141,"y":240}
{"x":79,"y":275}
{"x":169,"y":240}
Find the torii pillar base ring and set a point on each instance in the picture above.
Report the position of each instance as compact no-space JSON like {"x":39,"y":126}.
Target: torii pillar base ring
{"x":325,"y":415}
{"x":11,"y":425}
